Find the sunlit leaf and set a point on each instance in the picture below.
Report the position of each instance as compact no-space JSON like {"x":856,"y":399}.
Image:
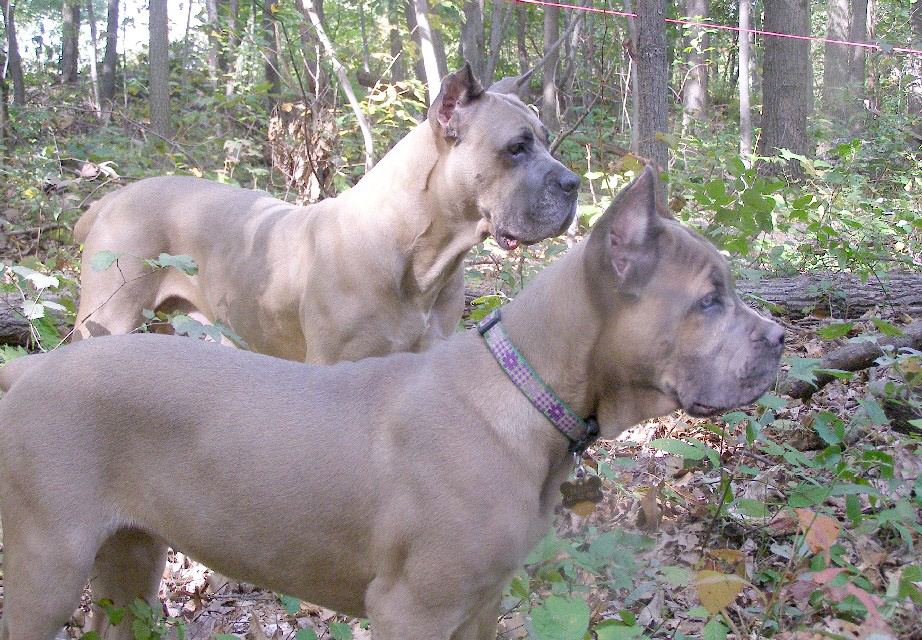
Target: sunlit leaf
{"x":104,"y":259}
{"x":718,"y":590}
{"x":561,"y":618}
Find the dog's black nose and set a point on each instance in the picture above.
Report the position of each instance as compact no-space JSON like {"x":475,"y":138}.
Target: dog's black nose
{"x":569,"y":182}
{"x":774,"y":336}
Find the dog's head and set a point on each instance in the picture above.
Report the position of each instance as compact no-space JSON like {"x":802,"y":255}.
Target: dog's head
{"x":674,"y":332}
{"x":496,"y":151}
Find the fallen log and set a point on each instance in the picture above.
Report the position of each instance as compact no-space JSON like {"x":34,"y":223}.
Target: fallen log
{"x":15,"y":329}
{"x":854,"y":356}
{"x":836,"y":295}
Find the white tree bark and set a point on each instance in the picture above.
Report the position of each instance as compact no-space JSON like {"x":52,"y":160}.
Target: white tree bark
{"x":344,"y":82}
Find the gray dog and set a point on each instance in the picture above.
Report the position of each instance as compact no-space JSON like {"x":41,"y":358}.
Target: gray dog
{"x":407,"y":489}
{"x":374,"y":271}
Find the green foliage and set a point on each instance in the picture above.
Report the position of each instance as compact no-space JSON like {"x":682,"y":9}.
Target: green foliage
{"x":145,"y":622}
{"x":45,"y":300}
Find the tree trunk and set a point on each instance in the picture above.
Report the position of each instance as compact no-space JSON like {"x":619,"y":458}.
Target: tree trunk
{"x":549,"y":115}
{"x":472,"y":47}
{"x":425,"y":38}
{"x":233,"y":44}
{"x":695,"y":87}
{"x":787,"y":86}
{"x":366,"y":56}
{"x":398,"y":66}
{"x":109,"y":61}
{"x":94,"y":63}
{"x":914,"y":97}
{"x":858,"y":32}
{"x":745,"y":103}
{"x":214,"y":42}
{"x":13,"y":59}
{"x":344,"y":82}
{"x":159,"y":70}
{"x":6,"y":137}
{"x":835,"y":59}
{"x":631,"y":59}
{"x":498,"y":22}
{"x":520,"y":33}
{"x":270,"y":56}
{"x":70,"y":40}
{"x":652,"y":72}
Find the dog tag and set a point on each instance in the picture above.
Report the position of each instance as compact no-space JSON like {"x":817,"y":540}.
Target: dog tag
{"x":581,"y":495}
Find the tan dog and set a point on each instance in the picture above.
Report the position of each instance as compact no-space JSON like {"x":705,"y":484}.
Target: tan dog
{"x":407,"y":489}
{"x":373,"y":271}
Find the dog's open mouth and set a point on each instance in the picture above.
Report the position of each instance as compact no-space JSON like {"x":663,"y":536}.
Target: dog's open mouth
{"x":699,"y":410}
{"x":507,"y":241}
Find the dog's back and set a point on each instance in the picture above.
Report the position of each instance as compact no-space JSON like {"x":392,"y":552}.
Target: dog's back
{"x":14,"y":370}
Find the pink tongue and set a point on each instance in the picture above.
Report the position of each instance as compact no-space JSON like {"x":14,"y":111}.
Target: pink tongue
{"x":508,"y":242}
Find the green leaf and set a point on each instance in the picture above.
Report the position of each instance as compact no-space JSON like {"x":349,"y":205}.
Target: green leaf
{"x":808,"y":496}
{"x":38,"y":280}
{"x":854,"y":490}
{"x":340,"y":631}
{"x":735,"y":167}
{"x":753,"y":508}
{"x":104,"y":259}
{"x":291,"y":605}
{"x":186,"y":326}
{"x":518,"y":587}
{"x":230,"y":636}
{"x":803,"y":368}
{"x":875,"y":411}
{"x":32,"y":310}
{"x":824,"y":423}
{"x":49,"y":304}
{"x":835,"y":330}
{"x":714,"y":630}
{"x":677,"y":576}
{"x":886,"y":328}
{"x":183,"y":263}
{"x":305,"y":634}
{"x":772,"y":401}
{"x":561,"y":618}
{"x":679,"y":448}
{"x":853,"y":508}
{"x":617,"y":632}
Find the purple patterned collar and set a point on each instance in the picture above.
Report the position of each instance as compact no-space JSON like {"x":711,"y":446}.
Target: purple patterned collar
{"x":581,"y":433}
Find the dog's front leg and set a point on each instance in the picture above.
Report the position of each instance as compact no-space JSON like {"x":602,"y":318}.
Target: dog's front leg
{"x":482,"y":624}
{"x":399,"y":610}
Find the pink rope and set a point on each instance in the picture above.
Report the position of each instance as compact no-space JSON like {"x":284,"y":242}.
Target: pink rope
{"x":709,"y":25}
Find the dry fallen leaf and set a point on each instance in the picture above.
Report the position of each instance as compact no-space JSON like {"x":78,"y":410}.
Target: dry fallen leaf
{"x":718,"y":590}
{"x":724,"y":561}
{"x":255,"y":632}
{"x":821,"y":531}
{"x":651,"y":515}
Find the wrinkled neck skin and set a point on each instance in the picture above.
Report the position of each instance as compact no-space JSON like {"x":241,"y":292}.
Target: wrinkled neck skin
{"x":565,"y":347}
{"x":408,"y":199}
{"x":555,"y":326}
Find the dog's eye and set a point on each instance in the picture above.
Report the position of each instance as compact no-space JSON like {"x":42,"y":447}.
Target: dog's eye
{"x":517,"y":149}
{"x":710,"y":302}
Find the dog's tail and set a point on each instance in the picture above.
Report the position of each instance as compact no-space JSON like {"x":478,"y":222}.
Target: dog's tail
{"x":86,"y":221}
{"x":14,"y":369}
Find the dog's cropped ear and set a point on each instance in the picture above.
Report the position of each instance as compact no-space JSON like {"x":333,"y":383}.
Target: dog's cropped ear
{"x":515,"y":85}
{"x":623,"y":242}
{"x":458,"y":89}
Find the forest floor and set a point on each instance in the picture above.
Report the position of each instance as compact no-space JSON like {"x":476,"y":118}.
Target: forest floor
{"x":833,"y":551}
